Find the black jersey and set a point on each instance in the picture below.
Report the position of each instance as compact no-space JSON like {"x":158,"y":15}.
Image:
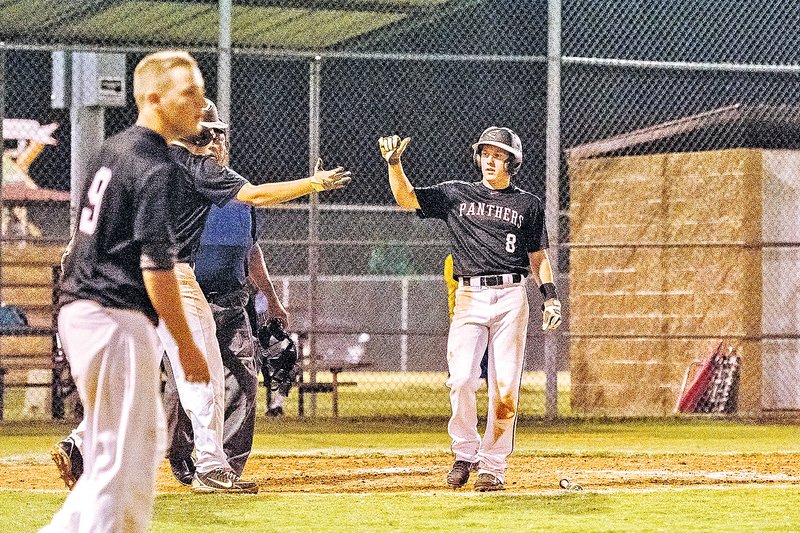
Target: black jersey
{"x":125,"y":223}
{"x":203,"y":182}
{"x":491,"y":231}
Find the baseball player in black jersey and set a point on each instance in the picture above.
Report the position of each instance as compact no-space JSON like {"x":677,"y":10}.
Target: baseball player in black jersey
{"x":118,"y":279}
{"x":203,"y":182}
{"x":498,"y":235}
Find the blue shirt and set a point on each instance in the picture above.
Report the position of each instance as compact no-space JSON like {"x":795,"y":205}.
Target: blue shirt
{"x":221,"y":261}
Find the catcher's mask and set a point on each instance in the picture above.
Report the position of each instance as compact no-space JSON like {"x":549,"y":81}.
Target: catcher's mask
{"x":280,"y":356}
{"x":504,"y":138}
{"x":211,"y":127}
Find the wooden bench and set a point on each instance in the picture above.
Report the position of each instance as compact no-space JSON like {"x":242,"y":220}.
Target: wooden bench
{"x":314,"y":387}
{"x":21,"y":384}
{"x":16,"y":360}
{"x":28,"y":278}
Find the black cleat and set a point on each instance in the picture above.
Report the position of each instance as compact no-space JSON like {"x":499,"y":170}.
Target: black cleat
{"x":275,"y":412}
{"x":68,"y":460}
{"x":459,"y":474}
{"x":222,"y":480}
{"x":183,"y":470}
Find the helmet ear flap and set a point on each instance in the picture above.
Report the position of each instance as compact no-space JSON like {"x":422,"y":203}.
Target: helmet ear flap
{"x":512,"y":165}
{"x":476,"y":157}
{"x":504,"y":138}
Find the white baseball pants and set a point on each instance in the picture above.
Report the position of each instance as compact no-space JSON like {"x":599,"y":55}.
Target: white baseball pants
{"x":115,"y":357}
{"x":203,"y":403}
{"x":497,"y":316}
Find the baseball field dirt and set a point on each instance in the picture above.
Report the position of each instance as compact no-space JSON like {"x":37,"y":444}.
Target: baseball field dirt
{"x":426,"y":472}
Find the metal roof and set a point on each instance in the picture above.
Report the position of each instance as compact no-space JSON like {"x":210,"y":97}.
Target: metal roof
{"x":734,"y":126}
{"x":272,"y":24}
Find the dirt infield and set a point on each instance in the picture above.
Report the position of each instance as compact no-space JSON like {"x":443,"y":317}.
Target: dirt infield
{"x":405,"y":473}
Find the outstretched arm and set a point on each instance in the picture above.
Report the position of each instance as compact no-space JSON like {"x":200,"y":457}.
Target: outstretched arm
{"x":283,"y":191}
{"x":402,"y":190}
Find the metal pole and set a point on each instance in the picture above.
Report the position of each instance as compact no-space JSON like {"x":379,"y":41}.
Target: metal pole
{"x":553,"y":171}
{"x":2,"y":181}
{"x":314,"y":79}
{"x":404,"y":324}
{"x":224,"y":60}
{"x":88,"y":132}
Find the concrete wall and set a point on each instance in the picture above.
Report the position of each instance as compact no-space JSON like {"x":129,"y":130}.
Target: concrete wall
{"x":681,"y":269}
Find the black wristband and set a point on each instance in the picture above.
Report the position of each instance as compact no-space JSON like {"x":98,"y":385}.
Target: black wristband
{"x":548,"y":291}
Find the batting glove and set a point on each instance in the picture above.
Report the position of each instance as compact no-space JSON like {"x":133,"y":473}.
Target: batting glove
{"x":551,"y":315}
{"x":392,"y":148}
{"x":326,"y":180}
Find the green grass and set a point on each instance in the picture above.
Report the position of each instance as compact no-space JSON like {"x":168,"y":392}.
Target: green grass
{"x":415,"y":410}
{"x":663,"y":511}
{"x":728,"y":509}
{"x":725,"y":508}
{"x":357,"y":436}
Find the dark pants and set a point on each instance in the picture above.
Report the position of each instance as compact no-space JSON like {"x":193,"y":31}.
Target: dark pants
{"x":242,"y":361}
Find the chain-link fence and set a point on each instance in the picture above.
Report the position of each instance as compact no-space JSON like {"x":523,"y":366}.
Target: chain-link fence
{"x":675,"y":195}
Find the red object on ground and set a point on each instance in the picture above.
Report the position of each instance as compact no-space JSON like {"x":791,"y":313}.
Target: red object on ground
{"x":688,"y":401}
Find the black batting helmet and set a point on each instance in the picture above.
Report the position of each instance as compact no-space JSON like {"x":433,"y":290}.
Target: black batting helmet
{"x":208,"y":124}
{"x":504,"y":138}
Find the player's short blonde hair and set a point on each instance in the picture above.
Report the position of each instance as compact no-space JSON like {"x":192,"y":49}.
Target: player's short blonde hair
{"x":149,"y":73}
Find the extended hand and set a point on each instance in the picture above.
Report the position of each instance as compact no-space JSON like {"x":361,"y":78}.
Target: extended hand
{"x":278,"y":312}
{"x":392,"y":148}
{"x":551,"y":315}
{"x":326,"y":180}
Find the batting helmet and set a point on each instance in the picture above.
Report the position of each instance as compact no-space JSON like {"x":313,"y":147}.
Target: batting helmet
{"x":504,"y":138}
{"x":208,"y":125}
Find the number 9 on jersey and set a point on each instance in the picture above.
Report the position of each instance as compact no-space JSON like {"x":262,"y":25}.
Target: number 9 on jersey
{"x":91,"y":212}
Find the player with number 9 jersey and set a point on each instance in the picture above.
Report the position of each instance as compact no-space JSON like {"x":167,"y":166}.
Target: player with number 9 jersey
{"x":118,"y":279}
{"x":124,"y":214}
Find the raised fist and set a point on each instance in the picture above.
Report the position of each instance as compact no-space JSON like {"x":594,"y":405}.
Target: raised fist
{"x":392,"y":148}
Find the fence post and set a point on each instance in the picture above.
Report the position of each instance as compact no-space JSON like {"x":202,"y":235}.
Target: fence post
{"x":224,"y":61}
{"x":2,"y":118}
{"x":553,"y":171}
{"x":404,"y":324}
{"x":314,"y":80}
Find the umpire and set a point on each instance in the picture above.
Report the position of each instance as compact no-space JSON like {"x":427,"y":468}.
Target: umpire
{"x":227,"y":257}
{"x":206,"y":180}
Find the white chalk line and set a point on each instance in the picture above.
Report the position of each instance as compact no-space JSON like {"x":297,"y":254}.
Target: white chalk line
{"x":725,"y":475}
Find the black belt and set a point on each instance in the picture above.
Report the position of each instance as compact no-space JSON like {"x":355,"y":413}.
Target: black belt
{"x":491,"y":281}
